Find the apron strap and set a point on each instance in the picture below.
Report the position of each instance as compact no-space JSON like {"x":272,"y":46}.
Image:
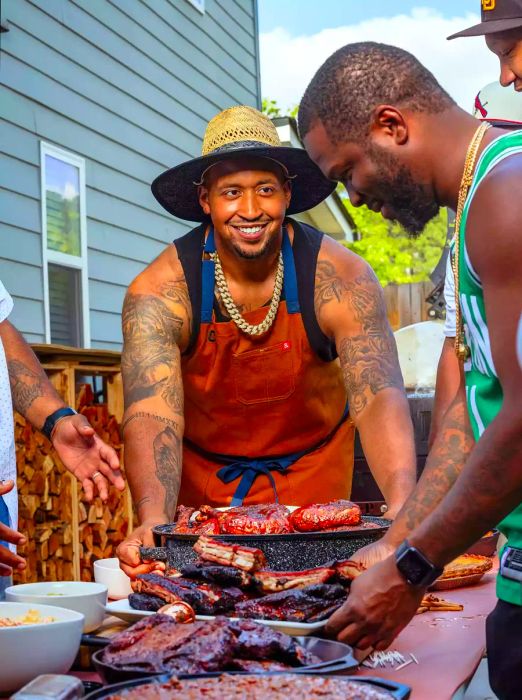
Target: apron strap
{"x":290,"y":278}
{"x":208,"y":280}
{"x":209,"y":273}
{"x":247,"y":469}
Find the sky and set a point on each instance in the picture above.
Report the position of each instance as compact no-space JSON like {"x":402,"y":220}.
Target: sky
{"x":296,"y":37}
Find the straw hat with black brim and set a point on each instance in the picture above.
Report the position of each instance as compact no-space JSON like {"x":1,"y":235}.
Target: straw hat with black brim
{"x":235,"y":133}
{"x":497,"y":16}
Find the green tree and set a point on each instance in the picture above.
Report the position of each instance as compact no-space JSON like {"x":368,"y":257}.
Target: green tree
{"x":272,"y":109}
{"x":395,"y":256}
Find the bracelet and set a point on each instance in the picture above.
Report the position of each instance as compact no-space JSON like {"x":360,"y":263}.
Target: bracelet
{"x":53,"y":418}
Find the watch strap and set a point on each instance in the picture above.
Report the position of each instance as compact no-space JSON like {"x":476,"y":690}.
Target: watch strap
{"x":53,"y":418}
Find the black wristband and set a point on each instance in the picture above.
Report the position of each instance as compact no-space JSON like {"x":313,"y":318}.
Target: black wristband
{"x":53,"y":418}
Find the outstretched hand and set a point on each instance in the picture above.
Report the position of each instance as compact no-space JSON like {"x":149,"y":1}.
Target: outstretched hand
{"x":9,"y":560}
{"x":380,"y":605}
{"x":94,"y":463}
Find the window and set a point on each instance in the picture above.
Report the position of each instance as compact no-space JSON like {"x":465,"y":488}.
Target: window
{"x":64,"y":241}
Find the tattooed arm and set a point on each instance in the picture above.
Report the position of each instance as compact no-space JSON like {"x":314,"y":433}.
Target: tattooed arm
{"x":156,"y":322}
{"x":350,"y":308}
{"x":82,"y":452}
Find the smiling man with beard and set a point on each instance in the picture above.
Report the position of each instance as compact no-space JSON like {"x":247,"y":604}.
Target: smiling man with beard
{"x":233,"y":388}
{"x":374,"y":118}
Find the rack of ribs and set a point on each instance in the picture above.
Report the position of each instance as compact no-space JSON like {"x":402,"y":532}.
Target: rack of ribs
{"x":184,"y":526}
{"x":347,"y":570}
{"x":273,"y":581}
{"x":224,"y":575}
{"x":309,"y":604}
{"x":320,"y":516}
{"x":245,"y":558}
{"x":261,"y":519}
{"x":205,"y":598}
{"x":158,"y":644}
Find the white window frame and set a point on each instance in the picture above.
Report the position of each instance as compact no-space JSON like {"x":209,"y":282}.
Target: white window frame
{"x":65,"y":259}
{"x":199,"y":5}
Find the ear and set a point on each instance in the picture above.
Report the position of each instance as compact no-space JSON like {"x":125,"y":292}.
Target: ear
{"x":389,"y":122}
{"x":203,"y":199}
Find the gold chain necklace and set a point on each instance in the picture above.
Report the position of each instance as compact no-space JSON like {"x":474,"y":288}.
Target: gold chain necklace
{"x":232,"y":309}
{"x":461,"y":348}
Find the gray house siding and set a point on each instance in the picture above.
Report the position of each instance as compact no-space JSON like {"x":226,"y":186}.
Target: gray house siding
{"x":129,"y":86}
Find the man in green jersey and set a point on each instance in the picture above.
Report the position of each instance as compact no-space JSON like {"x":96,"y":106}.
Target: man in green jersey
{"x":375,"y":119}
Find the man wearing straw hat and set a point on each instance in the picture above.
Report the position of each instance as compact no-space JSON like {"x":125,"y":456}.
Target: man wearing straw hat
{"x":377,"y":119}
{"x":233,"y":390}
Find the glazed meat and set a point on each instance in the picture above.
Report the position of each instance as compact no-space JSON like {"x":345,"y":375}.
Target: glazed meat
{"x":259,"y":666}
{"x":260,"y":642}
{"x":205,"y":598}
{"x":224,"y":575}
{"x":309,"y":604}
{"x":320,"y":516}
{"x":245,"y":558}
{"x":347,"y":570}
{"x":273,"y":581}
{"x":157,"y":644}
{"x":145,"y":601}
{"x":183,"y":525}
{"x":263,"y":519}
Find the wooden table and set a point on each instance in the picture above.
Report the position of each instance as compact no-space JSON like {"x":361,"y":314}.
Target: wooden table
{"x":447,"y":645}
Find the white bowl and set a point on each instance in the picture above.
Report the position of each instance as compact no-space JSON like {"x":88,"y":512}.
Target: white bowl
{"x":108,"y":572}
{"x":29,"y":650}
{"x":87,"y":598}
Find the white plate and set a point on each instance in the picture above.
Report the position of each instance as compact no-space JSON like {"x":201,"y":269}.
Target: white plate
{"x":122,"y":609}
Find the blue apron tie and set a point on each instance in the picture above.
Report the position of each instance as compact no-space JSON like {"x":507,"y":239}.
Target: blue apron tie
{"x":248,"y":469}
{"x":208,"y":274}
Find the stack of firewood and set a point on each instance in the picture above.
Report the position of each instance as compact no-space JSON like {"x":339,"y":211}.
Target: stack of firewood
{"x":65,"y":533}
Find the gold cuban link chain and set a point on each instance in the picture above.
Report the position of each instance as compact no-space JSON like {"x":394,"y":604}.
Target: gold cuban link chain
{"x":461,"y":348}
{"x":232,"y":309}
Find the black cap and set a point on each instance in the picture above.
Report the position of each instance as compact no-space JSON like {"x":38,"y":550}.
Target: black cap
{"x":497,"y":16}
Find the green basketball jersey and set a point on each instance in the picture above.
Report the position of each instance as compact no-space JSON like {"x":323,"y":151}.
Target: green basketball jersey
{"x":483,"y":389}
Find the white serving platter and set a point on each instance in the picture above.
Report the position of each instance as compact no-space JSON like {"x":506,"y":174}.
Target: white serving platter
{"x":122,"y":609}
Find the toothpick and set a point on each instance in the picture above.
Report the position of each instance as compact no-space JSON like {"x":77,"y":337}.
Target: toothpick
{"x":406,"y":663}
{"x":414,"y":658}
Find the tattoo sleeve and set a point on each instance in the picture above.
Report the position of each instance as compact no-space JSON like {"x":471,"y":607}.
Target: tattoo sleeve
{"x":150,"y":359}
{"x":369,"y":355}
{"x":451,"y":448}
{"x":167,"y":458}
{"x":26,"y":385}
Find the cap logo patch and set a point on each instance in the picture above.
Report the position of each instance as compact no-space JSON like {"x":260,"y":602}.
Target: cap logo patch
{"x":488,"y":5}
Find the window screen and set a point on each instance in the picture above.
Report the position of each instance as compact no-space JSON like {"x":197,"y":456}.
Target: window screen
{"x":65,"y":305}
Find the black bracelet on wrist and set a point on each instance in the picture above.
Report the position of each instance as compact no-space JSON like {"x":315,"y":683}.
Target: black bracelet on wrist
{"x":53,"y":418}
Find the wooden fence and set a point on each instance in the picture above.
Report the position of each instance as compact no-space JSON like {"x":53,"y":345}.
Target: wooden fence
{"x":406,"y":303}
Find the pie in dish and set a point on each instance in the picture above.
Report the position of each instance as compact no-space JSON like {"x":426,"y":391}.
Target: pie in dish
{"x":466,"y":565}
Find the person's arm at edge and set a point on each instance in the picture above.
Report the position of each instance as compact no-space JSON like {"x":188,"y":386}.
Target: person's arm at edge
{"x":446,"y":387}
{"x":350,"y":305}
{"x":153,"y":320}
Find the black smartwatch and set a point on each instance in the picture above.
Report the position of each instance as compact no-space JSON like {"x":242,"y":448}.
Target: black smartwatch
{"x":53,"y":418}
{"x":415,"y":567}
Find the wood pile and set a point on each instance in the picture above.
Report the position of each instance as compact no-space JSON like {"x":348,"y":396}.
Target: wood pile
{"x":65,"y":533}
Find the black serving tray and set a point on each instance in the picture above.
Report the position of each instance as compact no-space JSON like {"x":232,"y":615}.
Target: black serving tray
{"x":287,"y":552}
{"x":397,"y":690}
{"x":336,"y":657}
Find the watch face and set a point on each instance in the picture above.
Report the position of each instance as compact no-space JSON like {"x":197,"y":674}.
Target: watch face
{"x":413,"y":566}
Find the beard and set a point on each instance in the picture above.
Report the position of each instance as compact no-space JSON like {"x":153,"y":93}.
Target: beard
{"x":267,"y":248}
{"x":412,"y":204}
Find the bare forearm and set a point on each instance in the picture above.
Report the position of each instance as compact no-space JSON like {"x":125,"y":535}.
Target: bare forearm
{"x":444,"y":464}
{"x":32,"y":393}
{"x":387,"y":439}
{"x":446,"y":388}
{"x":488,"y":488}
{"x":153,"y":457}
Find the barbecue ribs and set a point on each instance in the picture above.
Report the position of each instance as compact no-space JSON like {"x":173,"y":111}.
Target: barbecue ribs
{"x":320,"y":516}
{"x":205,"y":598}
{"x":224,"y":575}
{"x":245,"y":558}
{"x":309,"y":604}
{"x":262,"y":519}
{"x":183,"y":525}
{"x":273,"y":581}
